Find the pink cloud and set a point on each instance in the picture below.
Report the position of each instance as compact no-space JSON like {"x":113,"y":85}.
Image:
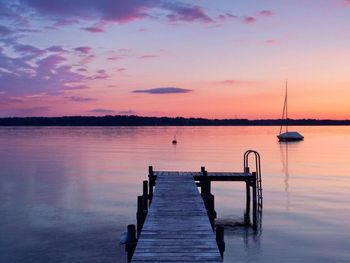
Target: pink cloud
{"x":29,"y":51}
{"x":187,"y":13}
{"x":80,"y":99}
{"x":48,"y":64}
{"x":30,"y":74}
{"x":56,"y":49}
{"x":114,"y":58}
{"x":84,"y":50}
{"x":120,"y":69}
{"x":100,"y":74}
{"x":108,"y":11}
{"x":163,"y":90}
{"x":87,"y":59}
{"x":272,"y":42}
{"x":249,"y":20}
{"x":266,"y":13}
{"x":148,"y":56}
{"x":102,"y":111}
{"x":226,"y":16}
{"x":346,"y":2}
{"x":233,"y":82}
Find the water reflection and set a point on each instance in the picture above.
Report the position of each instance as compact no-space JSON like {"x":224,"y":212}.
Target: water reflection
{"x":236,"y":230}
{"x":68,"y":193}
{"x":285,"y":169}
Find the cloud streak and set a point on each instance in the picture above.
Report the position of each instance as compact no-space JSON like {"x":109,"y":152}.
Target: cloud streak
{"x":102,"y":111}
{"x":34,"y":71}
{"x":83,"y":50}
{"x":94,"y":29}
{"x":111,"y":11}
{"x":266,"y":13}
{"x":163,"y":90}
{"x":249,"y":20}
{"x":187,"y":13}
{"x":80,"y":99}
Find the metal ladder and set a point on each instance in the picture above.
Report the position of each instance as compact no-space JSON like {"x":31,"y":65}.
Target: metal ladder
{"x":258,"y":174}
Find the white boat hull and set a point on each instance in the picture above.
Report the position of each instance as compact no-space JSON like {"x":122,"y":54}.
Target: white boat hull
{"x":290,"y":137}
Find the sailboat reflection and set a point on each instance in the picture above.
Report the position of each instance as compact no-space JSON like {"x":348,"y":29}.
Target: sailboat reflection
{"x":285,"y":170}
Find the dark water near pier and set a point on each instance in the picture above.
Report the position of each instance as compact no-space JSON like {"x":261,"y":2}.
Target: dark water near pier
{"x":67,"y":194}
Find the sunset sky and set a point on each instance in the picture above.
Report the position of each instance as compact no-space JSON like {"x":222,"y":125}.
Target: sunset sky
{"x":204,"y":58}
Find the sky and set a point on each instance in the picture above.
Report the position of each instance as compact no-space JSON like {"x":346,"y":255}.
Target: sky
{"x":200,"y":58}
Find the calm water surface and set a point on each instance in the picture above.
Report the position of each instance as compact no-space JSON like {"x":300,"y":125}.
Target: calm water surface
{"x":67,"y":194}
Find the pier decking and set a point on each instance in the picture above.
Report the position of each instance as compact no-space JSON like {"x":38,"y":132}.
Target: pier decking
{"x":176,"y":222}
{"x":177,"y":228}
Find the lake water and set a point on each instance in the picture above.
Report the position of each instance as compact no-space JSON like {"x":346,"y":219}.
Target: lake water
{"x":67,"y":194}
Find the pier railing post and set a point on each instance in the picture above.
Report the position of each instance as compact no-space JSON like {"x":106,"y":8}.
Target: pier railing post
{"x":205,"y":183}
{"x":220,"y":240}
{"x":131,"y":242}
{"x":150,"y":184}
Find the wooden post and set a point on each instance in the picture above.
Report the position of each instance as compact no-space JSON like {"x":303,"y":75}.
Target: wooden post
{"x":208,"y":198}
{"x":145,"y":195}
{"x":131,"y":242}
{"x":247,"y":209}
{"x":140,"y":214}
{"x":150,"y":184}
{"x":150,"y":170}
{"x":205,"y":182}
{"x":210,"y":205}
{"x":255,"y":206}
{"x":220,"y":240}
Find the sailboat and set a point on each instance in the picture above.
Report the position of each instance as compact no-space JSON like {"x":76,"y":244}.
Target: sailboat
{"x":287,"y":136}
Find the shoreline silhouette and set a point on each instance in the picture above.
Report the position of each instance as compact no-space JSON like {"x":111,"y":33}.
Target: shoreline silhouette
{"x":134,"y":120}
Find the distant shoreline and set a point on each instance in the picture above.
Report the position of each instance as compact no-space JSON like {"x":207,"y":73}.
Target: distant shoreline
{"x":132,"y":120}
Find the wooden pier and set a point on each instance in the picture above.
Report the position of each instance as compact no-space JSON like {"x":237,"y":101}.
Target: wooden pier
{"x":177,"y":227}
{"x":176,"y":222}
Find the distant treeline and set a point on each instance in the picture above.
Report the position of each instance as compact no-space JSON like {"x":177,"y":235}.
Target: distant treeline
{"x":155,"y":121}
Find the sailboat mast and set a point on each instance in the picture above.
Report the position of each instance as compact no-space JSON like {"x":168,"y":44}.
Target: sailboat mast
{"x":286,"y":106}
{"x":284,"y":112}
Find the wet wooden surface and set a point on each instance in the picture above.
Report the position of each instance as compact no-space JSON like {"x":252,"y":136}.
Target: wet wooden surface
{"x":177,"y":228}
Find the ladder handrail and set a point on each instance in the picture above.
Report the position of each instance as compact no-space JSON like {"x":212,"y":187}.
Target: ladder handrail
{"x":257,"y":170}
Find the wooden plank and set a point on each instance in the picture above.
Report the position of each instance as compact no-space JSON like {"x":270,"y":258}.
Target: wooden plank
{"x":212,"y":176}
{"x":177,"y":228}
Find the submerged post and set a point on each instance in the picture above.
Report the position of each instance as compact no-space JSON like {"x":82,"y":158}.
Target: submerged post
{"x":255,"y":202}
{"x":220,"y":240}
{"x":247,"y":208}
{"x":208,"y":198}
{"x":145,"y":195}
{"x":140,"y":214}
{"x":131,"y":241}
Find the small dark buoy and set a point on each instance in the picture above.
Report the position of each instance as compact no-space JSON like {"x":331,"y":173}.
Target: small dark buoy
{"x":174,"y":141}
